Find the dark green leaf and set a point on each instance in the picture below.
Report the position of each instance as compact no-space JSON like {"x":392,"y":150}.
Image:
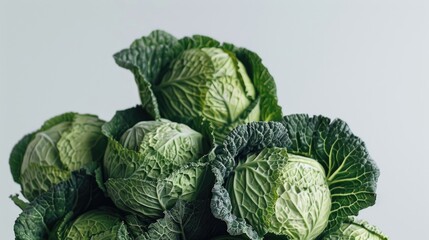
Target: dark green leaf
{"x":186,"y":221}
{"x":39,"y":218}
{"x":245,"y":139}
{"x":351,"y":173}
{"x":146,"y":58}
{"x":353,"y":229}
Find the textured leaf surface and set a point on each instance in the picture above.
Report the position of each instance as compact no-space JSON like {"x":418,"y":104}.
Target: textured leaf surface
{"x":152,"y":198}
{"x":252,"y":187}
{"x":41,"y":215}
{"x":353,"y":229}
{"x":64,"y":143}
{"x":92,"y":223}
{"x":117,"y":232}
{"x":150,"y":167}
{"x":83,"y":146}
{"x":262,"y":80}
{"x":244,"y":140}
{"x":186,"y":220}
{"x":351,"y":173}
{"x":17,"y":156}
{"x":304,"y":200}
{"x":146,"y":58}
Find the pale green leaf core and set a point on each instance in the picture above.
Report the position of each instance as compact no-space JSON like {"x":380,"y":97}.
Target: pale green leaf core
{"x":304,"y":201}
{"x":357,"y":230}
{"x":281,"y":193}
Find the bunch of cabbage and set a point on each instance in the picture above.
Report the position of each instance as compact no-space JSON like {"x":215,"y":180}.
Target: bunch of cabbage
{"x":293,"y":177}
{"x":149,"y":165}
{"x":63,"y":144}
{"x":297,"y":180}
{"x":197,"y":76}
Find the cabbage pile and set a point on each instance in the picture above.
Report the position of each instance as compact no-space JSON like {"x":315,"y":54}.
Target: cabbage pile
{"x":207,"y":155}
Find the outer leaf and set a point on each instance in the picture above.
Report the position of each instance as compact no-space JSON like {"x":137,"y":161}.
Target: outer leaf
{"x":351,"y":173}
{"x":17,"y":156}
{"x":151,"y":198}
{"x":83,"y":146}
{"x":146,"y":58}
{"x":263,"y":82}
{"x":190,"y":221}
{"x":254,"y":176}
{"x":118,"y":232}
{"x":75,"y":194}
{"x":245,"y":139}
{"x":353,"y":229}
{"x":122,"y":121}
{"x":198,"y":41}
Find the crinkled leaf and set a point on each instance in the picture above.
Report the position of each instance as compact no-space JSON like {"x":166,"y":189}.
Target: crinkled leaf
{"x":117,"y":232}
{"x":17,"y":156}
{"x":146,"y":57}
{"x":253,"y":184}
{"x":120,"y":161}
{"x":244,"y":140}
{"x":263,"y":82}
{"x":92,"y":223}
{"x":198,"y":41}
{"x":75,"y":194}
{"x":186,"y":220}
{"x":152,"y":198}
{"x":83,"y":145}
{"x":353,"y":229}
{"x":39,"y":179}
{"x":351,"y":173}
{"x":304,"y":200}
{"x":124,"y":120}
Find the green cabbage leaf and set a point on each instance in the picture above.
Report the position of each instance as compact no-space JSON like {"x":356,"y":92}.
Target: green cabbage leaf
{"x":351,"y":173}
{"x":353,"y":229}
{"x":41,"y":216}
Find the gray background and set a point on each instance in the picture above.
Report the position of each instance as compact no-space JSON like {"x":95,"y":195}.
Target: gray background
{"x":363,"y":61}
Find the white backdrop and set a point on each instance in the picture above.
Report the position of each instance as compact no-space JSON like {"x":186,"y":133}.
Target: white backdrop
{"x":363,"y":61}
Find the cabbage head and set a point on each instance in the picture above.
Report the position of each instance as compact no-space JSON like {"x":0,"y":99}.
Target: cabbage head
{"x":150,"y":164}
{"x":65,"y":143}
{"x":300,"y":201}
{"x":97,"y":224}
{"x":200,"y":77}
{"x":299,"y":179}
